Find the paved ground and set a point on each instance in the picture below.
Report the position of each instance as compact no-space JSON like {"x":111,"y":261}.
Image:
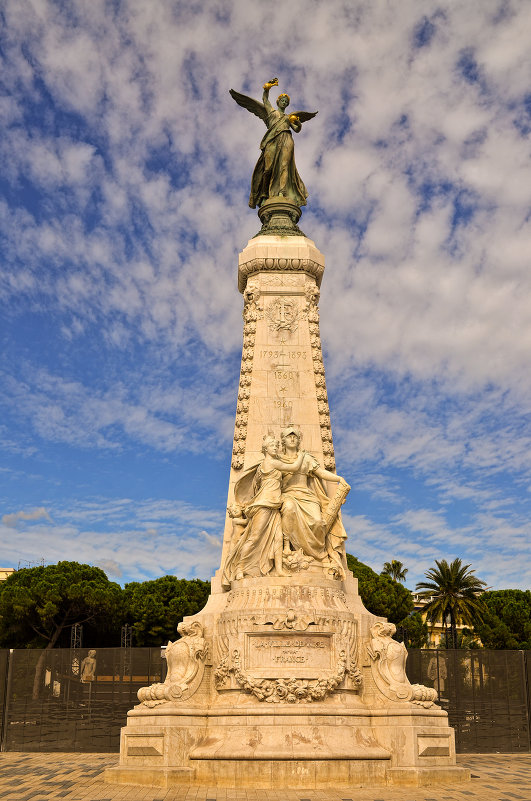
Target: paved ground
{"x":77,"y":777}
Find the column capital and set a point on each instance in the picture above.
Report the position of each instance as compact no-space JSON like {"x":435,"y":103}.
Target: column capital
{"x":280,"y":254}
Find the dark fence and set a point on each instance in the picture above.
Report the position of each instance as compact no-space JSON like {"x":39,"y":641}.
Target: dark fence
{"x":64,"y":700}
{"x":486,"y":694}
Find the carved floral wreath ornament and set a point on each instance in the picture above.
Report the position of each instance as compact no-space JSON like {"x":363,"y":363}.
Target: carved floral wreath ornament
{"x":290,"y":691}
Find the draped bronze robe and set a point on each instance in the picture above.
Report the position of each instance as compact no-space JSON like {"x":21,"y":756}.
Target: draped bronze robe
{"x":275,"y":173}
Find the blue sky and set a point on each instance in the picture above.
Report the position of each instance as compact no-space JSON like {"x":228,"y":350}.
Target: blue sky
{"x":123,"y":206}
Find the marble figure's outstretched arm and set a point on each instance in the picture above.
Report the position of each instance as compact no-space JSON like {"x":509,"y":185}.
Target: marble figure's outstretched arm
{"x":326,"y":475}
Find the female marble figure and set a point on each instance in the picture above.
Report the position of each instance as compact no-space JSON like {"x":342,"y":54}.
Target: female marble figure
{"x":275,"y":173}
{"x":259,"y":546}
{"x":305,"y":503}
{"x":88,"y":667}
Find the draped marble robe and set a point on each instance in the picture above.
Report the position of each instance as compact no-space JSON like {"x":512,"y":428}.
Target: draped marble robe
{"x":304,"y":502}
{"x":258,"y":492}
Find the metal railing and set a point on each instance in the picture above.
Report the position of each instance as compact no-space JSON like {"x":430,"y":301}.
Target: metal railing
{"x":485,"y":692}
{"x":58,"y":700}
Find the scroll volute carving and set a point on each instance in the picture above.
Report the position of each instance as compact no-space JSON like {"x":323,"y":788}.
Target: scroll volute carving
{"x":388,"y":664}
{"x":186,"y":665}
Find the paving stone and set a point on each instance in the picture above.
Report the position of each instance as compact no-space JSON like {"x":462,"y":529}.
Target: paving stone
{"x":76,"y":777}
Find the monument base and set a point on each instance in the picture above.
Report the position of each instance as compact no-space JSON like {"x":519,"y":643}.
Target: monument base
{"x":296,"y":775}
{"x":288,"y":748}
{"x":286,"y":686}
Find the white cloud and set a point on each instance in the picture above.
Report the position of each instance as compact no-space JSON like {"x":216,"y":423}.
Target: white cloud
{"x":165,"y":416}
{"x":497,"y":548}
{"x":110,"y":567}
{"x":12,"y":518}
{"x":116,"y":535}
{"x":416,"y":306}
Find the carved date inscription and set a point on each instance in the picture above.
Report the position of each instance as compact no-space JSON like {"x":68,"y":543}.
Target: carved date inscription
{"x":282,"y":354}
{"x":271,"y":654}
{"x":285,"y":375}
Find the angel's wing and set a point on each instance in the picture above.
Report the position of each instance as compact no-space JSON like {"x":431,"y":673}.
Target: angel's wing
{"x":250,"y":104}
{"x":304,"y":116}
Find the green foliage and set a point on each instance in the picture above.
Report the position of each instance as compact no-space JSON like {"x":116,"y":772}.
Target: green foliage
{"x":453,"y":592}
{"x":507,"y":619}
{"x":465,"y":639}
{"x":380,"y":594}
{"x":395,"y":569}
{"x":413,"y":631}
{"x":154,"y":608}
{"x":38,"y":603}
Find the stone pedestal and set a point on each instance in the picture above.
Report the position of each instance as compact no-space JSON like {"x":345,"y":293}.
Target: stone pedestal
{"x":285,"y":681}
{"x":287,"y":699}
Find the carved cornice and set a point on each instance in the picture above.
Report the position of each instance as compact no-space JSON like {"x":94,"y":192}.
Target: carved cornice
{"x":278,"y":264}
{"x":281,"y":597}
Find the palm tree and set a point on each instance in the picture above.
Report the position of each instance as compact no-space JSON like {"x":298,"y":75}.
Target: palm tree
{"x":395,"y":569}
{"x":453,"y":595}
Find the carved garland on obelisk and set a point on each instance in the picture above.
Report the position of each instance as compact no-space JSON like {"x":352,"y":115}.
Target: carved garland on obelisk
{"x":312,"y":299}
{"x":250,"y":315}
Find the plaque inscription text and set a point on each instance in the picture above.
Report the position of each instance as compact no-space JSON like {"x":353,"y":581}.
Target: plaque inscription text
{"x":270,"y":654}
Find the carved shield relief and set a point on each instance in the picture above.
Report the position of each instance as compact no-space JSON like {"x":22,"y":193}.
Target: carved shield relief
{"x":283,"y":314}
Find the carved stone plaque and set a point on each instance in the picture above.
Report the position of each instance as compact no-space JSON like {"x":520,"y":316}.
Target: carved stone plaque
{"x":283,"y":655}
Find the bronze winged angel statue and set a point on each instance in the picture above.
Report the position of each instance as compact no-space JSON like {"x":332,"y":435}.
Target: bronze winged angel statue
{"x":275,"y":174}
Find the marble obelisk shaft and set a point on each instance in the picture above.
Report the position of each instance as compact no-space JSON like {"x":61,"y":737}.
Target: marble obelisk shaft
{"x":282,"y":378}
